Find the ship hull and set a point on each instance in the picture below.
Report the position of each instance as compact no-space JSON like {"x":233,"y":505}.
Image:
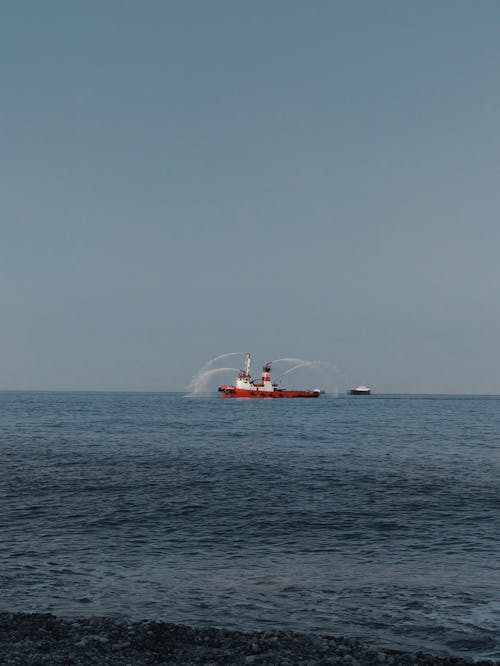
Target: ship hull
{"x":233,"y":392}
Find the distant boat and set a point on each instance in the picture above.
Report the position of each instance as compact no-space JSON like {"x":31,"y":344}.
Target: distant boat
{"x":360,"y":390}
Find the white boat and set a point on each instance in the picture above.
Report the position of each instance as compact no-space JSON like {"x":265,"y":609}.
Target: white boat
{"x":360,"y":390}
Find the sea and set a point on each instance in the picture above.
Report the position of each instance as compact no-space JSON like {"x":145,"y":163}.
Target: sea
{"x":372,"y":517}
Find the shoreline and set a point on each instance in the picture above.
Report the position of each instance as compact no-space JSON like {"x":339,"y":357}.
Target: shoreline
{"x":33,"y":639}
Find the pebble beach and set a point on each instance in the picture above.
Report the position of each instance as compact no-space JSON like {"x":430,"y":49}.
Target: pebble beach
{"x":34,"y":639}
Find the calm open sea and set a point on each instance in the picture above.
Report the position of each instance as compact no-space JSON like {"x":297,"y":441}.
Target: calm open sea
{"x":371,"y":517}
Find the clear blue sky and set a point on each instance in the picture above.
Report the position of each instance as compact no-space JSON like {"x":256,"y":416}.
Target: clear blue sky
{"x":181,"y":179}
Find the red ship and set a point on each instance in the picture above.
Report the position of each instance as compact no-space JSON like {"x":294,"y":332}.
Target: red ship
{"x":246,"y":387}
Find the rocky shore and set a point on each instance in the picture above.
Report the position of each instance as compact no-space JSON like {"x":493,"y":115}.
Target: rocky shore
{"x":42,"y":639}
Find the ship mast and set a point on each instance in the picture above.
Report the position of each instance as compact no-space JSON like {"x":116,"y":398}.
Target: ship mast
{"x":247,"y":365}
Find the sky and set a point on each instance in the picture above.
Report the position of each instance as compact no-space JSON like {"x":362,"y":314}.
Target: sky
{"x":181,"y":178}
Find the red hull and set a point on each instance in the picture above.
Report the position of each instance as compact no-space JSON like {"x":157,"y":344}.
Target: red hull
{"x":232,"y":392}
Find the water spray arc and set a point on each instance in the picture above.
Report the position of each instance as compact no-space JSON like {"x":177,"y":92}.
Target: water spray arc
{"x":324,"y":368}
{"x":216,"y":359}
{"x":245,"y":386}
{"x":199,"y":381}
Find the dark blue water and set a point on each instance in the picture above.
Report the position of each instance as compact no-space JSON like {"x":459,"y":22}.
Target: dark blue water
{"x":373,"y":517}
